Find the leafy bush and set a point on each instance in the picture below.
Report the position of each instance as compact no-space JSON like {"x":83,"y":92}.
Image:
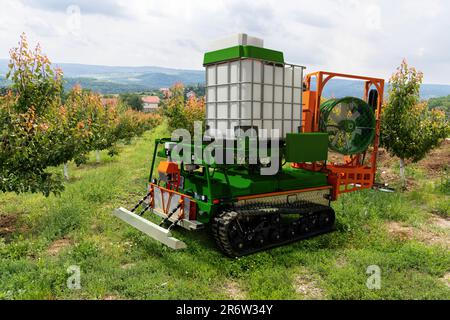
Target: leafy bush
{"x":182,"y":114}
{"x":409,"y":129}
{"x":441,"y":103}
{"x":35,"y":83}
{"x":39,"y":129}
{"x":133,"y":100}
{"x":445,"y":181}
{"x":28,"y":125}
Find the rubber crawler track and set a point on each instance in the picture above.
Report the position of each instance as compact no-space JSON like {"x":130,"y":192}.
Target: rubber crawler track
{"x":301,"y":228}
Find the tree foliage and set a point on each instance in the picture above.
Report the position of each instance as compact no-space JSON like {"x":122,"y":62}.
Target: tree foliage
{"x":35,"y":82}
{"x":133,"y":100}
{"x":198,"y":89}
{"x":441,"y":103}
{"x":28,"y":130}
{"x":39,"y":129}
{"x":409,"y":129}
{"x":182,"y":113}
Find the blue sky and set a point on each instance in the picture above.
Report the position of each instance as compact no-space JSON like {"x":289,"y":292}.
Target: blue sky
{"x":368,"y":37}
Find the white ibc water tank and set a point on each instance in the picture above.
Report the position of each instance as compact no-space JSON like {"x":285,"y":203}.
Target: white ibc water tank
{"x":254,"y":93}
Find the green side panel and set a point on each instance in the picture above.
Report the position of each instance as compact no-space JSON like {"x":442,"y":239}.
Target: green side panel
{"x":263,"y":54}
{"x":244,"y":184}
{"x":222,"y":55}
{"x":237,"y":52}
{"x":306,"y":147}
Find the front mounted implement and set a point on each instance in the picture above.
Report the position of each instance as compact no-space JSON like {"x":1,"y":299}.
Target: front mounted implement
{"x":149,"y":228}
{"x":172,"y":207}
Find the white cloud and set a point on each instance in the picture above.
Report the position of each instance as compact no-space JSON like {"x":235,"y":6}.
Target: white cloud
{"x":364,"y":37}
{"x":373,"y":17}
{"x":421,"y":52}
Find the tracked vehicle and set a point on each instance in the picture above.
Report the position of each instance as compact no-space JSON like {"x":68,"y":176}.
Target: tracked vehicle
{"x":286,"y":154}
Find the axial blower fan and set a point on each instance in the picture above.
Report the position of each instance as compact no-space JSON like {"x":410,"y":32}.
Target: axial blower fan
{"x":350,"y":124}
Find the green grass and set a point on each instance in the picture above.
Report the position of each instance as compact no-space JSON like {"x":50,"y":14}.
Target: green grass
{"x":117,"y":261}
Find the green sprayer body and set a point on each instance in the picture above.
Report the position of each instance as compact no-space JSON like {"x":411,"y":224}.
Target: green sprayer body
{"x":260,"y":175}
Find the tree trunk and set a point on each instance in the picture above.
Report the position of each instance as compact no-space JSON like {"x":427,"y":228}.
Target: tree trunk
{"x":402,"y":172}
{"x":66,"y":171}
{"x":97,"y":156}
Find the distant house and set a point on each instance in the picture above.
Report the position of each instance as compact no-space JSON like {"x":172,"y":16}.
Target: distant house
{"x":150,"y":103}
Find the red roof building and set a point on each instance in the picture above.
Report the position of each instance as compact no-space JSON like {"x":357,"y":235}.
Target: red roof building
{"x":150,"y":103}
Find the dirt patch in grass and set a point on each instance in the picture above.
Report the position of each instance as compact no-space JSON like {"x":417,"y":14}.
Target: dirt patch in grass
{"x":111,"y":297}
{"x":446,"y":279}
{"x":431,"y":238}
{"x":403,"y":233}
{"x":97,"y":228}
{"x":58,"y":245}
{"x":341,"y":262}
{"x":7,"y":224}
{"x":441,"y":222}
{"x":384,"y":159}
{"x":385,"y":164}
{"x":437,"y":160}
{"x":400,"y":231}
{"x":234,"y":290}
{"x":388,"y":176}
{"x":307,"y":285}
{"x":433,"y":164}
{"x":127,"y":266}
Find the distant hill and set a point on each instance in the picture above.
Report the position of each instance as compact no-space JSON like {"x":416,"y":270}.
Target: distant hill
{"x":339,"y":88}
{"x":108,"y":79}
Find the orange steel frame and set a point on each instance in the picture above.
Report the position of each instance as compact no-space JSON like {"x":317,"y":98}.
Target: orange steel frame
{"x":170,"y":192}
{"x":352,"y":174}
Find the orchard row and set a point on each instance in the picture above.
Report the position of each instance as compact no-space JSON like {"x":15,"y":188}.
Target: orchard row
{"x":41,"y":126}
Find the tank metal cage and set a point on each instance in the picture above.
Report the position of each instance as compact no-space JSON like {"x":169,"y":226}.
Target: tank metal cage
{"x":252,"y":93}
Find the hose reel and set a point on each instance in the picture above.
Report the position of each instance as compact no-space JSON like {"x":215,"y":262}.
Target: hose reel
{"x":350,"y":124}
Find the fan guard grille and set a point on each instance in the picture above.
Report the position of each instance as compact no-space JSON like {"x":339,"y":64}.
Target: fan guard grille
{"x":350,"y":124}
